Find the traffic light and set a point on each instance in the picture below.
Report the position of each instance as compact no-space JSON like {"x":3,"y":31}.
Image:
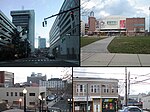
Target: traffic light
{"x":72,"y":15}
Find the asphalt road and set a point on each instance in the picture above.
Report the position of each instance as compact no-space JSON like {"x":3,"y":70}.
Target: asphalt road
{"x":37,"y":62}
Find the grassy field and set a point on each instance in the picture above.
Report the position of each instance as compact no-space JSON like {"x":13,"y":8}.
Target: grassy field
{"x":88,"y":40}
{"x":134,"y":45}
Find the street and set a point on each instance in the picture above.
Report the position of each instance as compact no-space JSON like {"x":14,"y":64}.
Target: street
{"x":39,"y":61}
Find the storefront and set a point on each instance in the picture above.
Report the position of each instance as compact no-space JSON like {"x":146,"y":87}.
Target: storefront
{"x":109,"y":105}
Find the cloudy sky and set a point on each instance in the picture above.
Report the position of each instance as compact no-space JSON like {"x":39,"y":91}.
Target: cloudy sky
{"x":21,"y":73}
{"x":42,"y":9}
{"x":139,"y":76}
{"x":127,"y":8}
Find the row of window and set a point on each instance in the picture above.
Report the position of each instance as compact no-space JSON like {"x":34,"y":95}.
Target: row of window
{"x":18,"y":94}
{"x":95,"y":89}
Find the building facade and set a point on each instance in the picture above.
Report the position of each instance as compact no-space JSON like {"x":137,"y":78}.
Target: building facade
{"x":35,"y":78}
{"x":135,"y":26}
{"x":41,"y":42}
{"x":6,"y":29}
{"x":146,"y":102}
{"x":64,"y":34}
{"x":12,"y":95}
{"x":101,"y":94}
{"x":111,"y":25}
{"x":25,"y":19}
{"x":6,"y":79}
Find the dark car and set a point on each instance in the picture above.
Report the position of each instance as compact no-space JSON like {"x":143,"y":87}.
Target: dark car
{"x":50,"y":56}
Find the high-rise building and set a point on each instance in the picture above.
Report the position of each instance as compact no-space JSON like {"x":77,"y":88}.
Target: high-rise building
{"x":35,"y":78}
{"x":92,"y":22}
{"x":64,"y":34}
{"x":41,"y":42}
{"x":6,"y":29}
{"x":6,"y":79}
{"x":25,"y":19}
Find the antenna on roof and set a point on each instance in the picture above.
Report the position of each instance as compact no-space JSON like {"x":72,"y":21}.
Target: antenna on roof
{"x":22,"y":7}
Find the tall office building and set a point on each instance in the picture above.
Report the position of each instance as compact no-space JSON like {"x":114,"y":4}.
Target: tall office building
{"x":25,"y":19}
{"x":64,"y":34}
{"x":41,"y":42}
{"x":6,"y":79}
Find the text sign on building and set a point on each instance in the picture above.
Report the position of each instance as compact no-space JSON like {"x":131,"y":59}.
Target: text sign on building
{"x":122,"y":24}
{"x":82,"y":99}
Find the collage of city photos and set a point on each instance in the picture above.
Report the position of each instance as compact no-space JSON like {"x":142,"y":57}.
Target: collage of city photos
{"x":74,"y":56}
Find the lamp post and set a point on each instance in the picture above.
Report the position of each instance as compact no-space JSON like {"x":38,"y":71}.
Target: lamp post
{"x":70,"y":102}
{"x":20,"y":100}
{"x":40,"y":98}
{"x":24,"y":93}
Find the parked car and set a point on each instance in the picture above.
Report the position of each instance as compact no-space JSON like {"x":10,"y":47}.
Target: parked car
{"x":131,"y":109}
{"x":50,"y":56}
{"x":50,"y":97}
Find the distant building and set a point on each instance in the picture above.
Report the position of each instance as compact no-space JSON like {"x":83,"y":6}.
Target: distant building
{"x":35,"y":78}
{"x":6,"y":29}
{"x":135,"y":26}
{"x":146,"y":102}
{"x":82,"y":28}
{"x":6,"y":79}
{"x":101,"y":93}
{"x":54,"y":83}
{"x":92,"y":23}
{"x":13,"y":94}
{"x":41,"y":42}
{"x":25,"y":19}
{"x":65,"y":32}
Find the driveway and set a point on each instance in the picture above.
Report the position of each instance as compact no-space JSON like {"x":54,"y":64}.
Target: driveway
{"x":98,"y":46}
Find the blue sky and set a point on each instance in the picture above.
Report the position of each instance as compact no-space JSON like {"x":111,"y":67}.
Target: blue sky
{"x":42,"y":8}
{"x":127,"y":8}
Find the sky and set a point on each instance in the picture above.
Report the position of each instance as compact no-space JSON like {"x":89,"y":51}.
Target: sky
{"x":127,"y":8}
{"x":42,"y":9}
{"x":21,"y":73}
{"x":136,"y":74}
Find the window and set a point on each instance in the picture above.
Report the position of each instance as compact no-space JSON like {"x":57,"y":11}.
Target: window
{"x":91,"y":88}
{"x":7,"y":94}
{"x":15,"y":93}
{"x":81,"y":88}
{"x":95,"y":88}
{"x":31,"y":94}
{"x":21,"y":94}
{"x":11,"y":93}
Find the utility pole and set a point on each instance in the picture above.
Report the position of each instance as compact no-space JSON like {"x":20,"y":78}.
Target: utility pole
{"x":128,"y":84}
{"x":87,"y":98}
{"x":126,"y":99}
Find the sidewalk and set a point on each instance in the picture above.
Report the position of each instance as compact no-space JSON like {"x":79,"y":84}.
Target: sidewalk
{"x":114,"y":59}
{"x":96,"y":54}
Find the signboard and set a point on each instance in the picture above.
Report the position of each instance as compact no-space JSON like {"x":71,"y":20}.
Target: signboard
{"x":122,"y":24}
{"x":82,"y":99}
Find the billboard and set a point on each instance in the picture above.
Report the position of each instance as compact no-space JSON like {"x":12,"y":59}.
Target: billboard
{"x":122,"y":24}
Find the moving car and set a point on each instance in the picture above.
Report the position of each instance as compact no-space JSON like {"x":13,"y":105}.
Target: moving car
{"x":50,"y":56}
{"x":131,"y":109}
{"x":50,"y":97}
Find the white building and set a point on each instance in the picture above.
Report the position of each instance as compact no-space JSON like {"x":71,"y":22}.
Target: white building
{"x":53,"y":83}
{"x":12,"y":95}
{"x":146,"y":102}
{"x":111,"y":24}
{"x":82,"y":28}
{"x":64,"y":34}
{"x":25,"y":19}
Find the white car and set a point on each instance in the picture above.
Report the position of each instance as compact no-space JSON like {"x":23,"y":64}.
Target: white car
{"x":131,"y":109}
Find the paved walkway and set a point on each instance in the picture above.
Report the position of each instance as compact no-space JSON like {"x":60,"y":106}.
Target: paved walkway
{"x":92,"y":55}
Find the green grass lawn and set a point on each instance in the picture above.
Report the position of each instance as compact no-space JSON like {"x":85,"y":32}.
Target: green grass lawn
{"x":134,"y":45}
{"x":88,"y":40}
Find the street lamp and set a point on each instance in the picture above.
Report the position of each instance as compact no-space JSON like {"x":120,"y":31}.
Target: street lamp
{"x":20,"y":100}
{"x":70,"y":102}
{"x":24,"y":93}
{"x":40,"y":98}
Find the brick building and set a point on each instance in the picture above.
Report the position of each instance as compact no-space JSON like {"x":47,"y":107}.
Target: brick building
{"x":101,"y":94}
{"x":135,"y":26}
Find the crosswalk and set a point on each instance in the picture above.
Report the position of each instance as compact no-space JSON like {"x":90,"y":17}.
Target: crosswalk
{"x":37,"y":60}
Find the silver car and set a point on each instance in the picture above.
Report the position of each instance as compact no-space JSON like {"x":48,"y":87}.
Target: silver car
{"x":131,"y":109}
